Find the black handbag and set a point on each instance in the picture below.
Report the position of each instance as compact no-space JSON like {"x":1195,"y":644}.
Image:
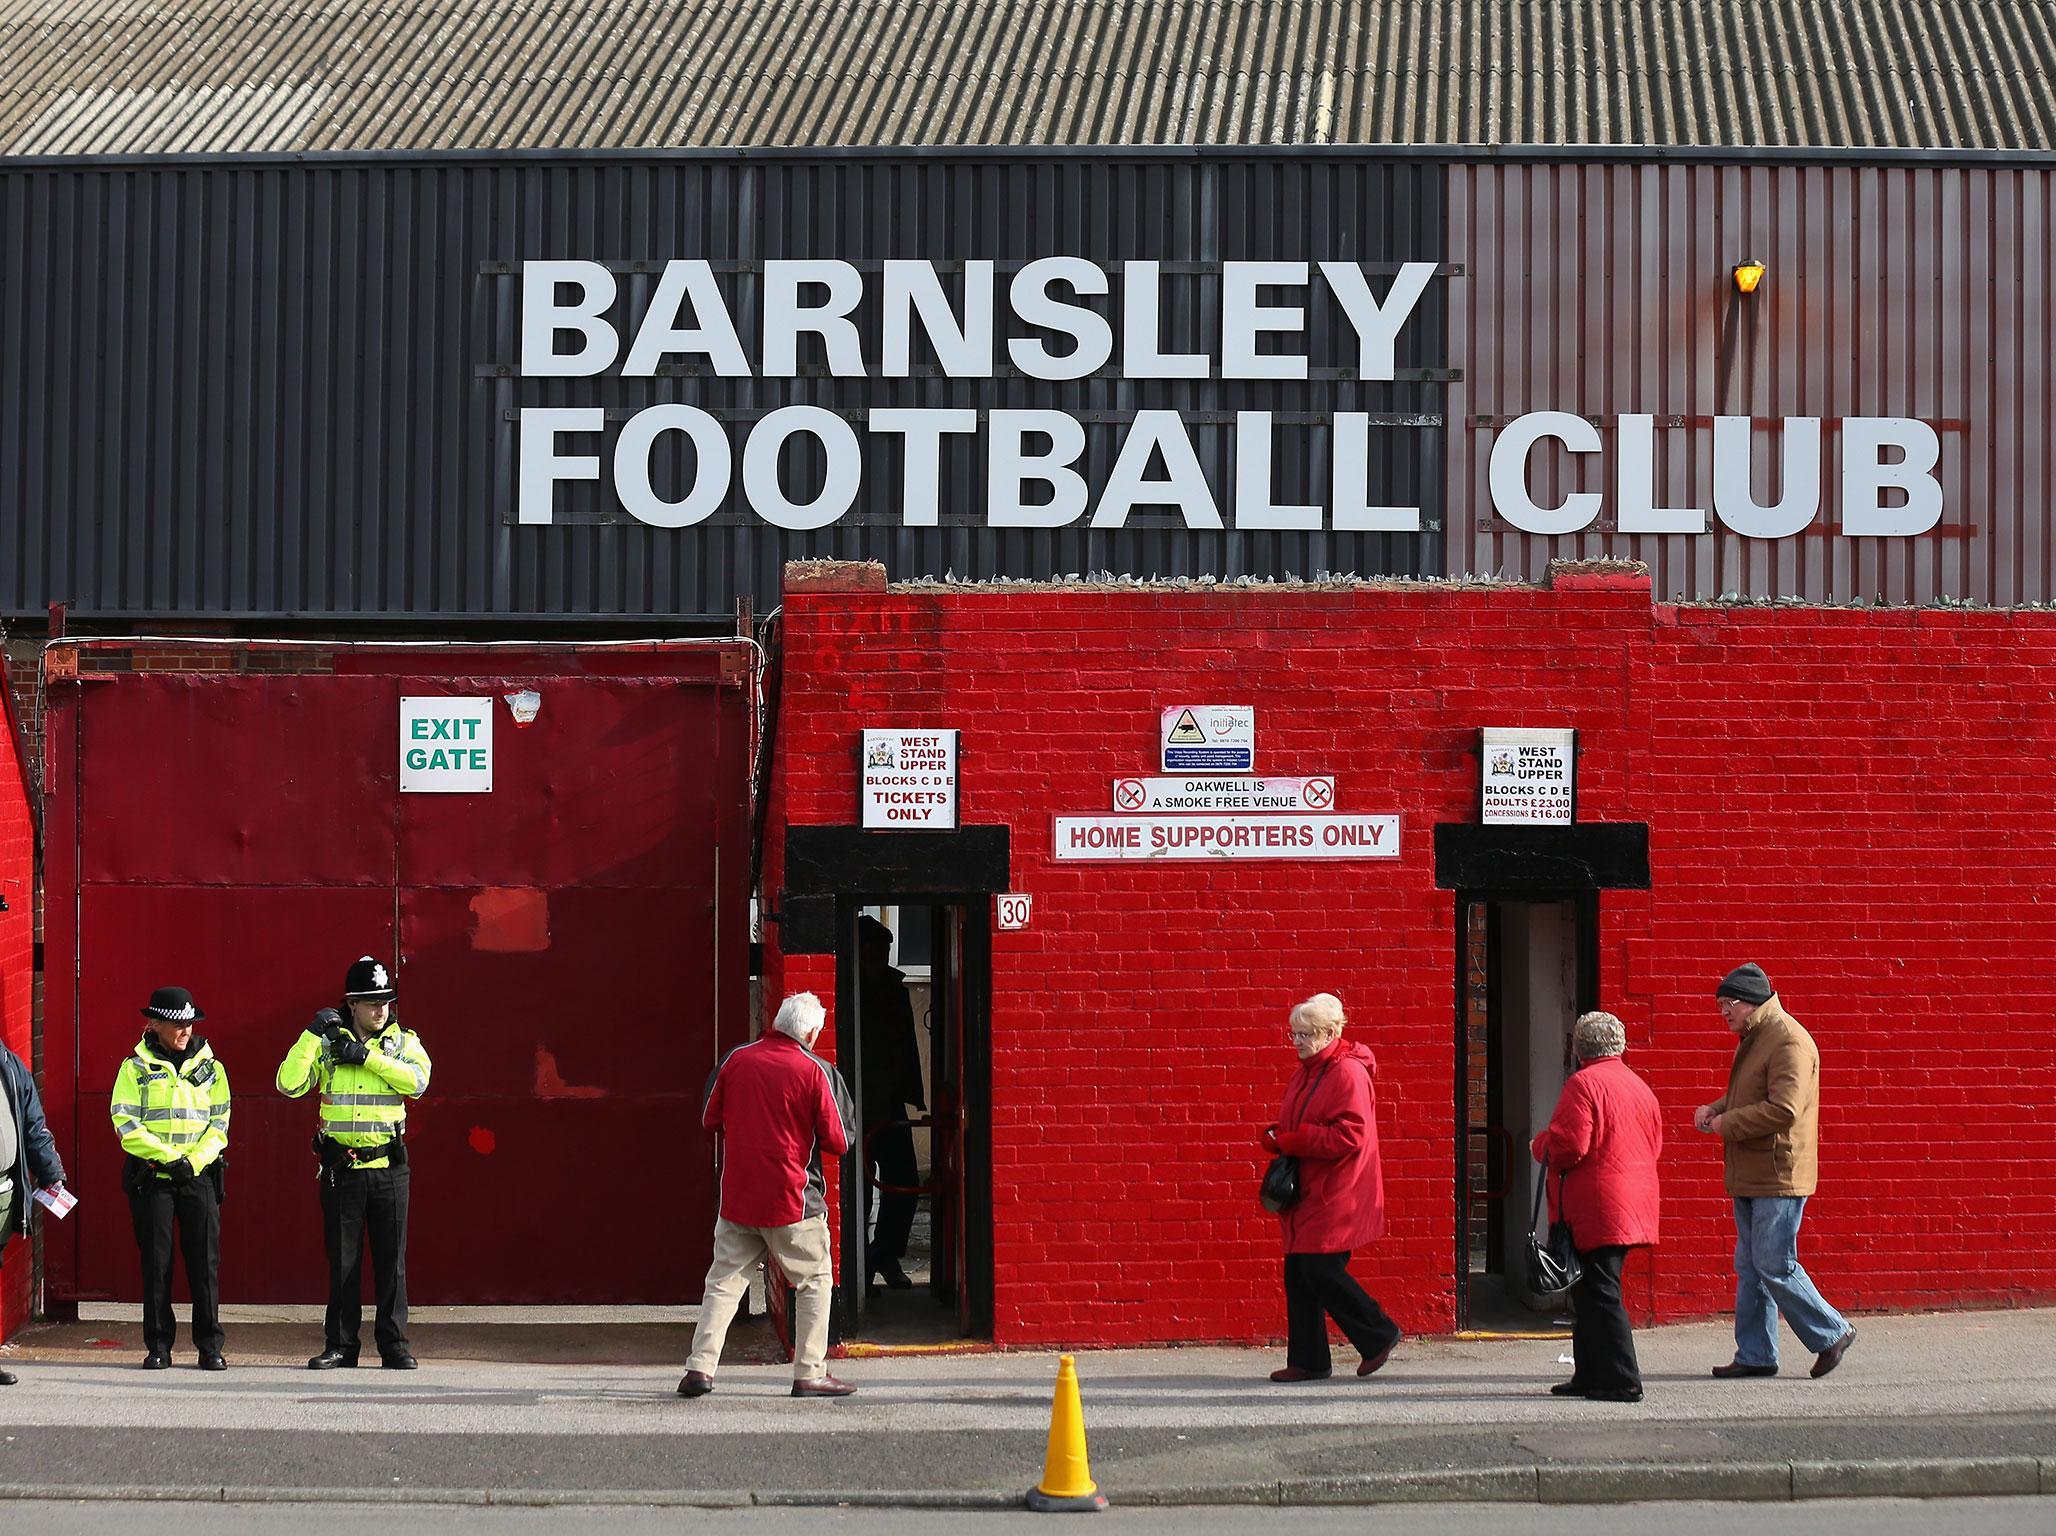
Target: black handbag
{"x":1280,"y":1189}
{"x":1553,"y":1266}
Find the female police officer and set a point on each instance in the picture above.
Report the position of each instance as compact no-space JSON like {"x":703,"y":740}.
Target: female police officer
{"x":170,"y":1108}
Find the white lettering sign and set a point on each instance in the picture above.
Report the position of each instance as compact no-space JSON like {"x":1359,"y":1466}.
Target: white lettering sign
{"x":1060,"y":318}
{"x":1868,"y":474}
{"x":1529,"y":776}
{"x":446,"y":746}
{"x":1152,"y":794}
{"x":1226,"y":837}
{"x":1084,"y":320}
{"x":909,"y":779}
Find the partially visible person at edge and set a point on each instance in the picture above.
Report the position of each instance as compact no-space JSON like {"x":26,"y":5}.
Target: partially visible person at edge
{"x":170,"y":1108}
{"x":778,"y":1107}
{"x":1604,"y":1139}
{"x":1330,"y":1123}
{"x":891,"y":1071}
{"x":367,"y":1067}
{"x":1768,"y":1122}
{"x":28,"y":1154}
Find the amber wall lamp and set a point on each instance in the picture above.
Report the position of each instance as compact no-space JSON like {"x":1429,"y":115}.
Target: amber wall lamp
{"x":1748,"y":274}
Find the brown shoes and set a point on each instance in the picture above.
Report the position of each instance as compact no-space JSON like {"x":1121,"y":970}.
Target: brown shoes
{"x":1735,"y":1368}
{"x":1367,"y":1367}
{"x":1831,"y":1357}
{"x":822,"y":1386}
{"x":1294,"y":1373}
{"x":696,"y":1384}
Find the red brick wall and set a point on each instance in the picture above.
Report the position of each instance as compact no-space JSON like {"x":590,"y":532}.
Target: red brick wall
{"x":1858,"y":800}
{"x":17,"y":968}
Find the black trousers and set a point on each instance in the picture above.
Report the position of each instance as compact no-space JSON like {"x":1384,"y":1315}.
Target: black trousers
{"x":1319,"y":1286}
{"x":357,"y":1204}
{"x":892,"y":1154}
{"x":1602,"y":1339}
{"x":171,"y":1218}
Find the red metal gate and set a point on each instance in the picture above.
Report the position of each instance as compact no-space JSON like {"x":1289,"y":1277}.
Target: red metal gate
{"x":572,"y":946}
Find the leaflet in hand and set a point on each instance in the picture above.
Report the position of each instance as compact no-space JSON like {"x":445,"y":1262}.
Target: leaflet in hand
{"x":58,"y":1201}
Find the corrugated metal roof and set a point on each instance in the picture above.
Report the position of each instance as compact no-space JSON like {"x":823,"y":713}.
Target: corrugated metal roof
{"x":140,"y":76}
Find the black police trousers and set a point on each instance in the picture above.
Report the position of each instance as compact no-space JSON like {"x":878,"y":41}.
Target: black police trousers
{"x":356,"y":1204}
{"x":156,"y":1209}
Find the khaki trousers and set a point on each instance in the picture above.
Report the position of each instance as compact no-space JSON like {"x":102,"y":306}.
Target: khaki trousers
{"x":801,"y":1253}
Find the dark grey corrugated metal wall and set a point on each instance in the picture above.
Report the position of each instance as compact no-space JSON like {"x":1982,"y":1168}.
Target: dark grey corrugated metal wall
{"x":268,"y":389}
{"x":1921,"y":291}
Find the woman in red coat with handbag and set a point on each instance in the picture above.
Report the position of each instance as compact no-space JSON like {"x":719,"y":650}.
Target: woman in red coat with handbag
{"x":1604,"y":1139}
{"x":1330,"y":1124}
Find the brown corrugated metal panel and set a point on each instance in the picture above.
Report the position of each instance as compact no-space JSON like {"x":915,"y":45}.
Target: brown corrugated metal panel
{"x":137,"y":76}
{"x":1892,"y":291}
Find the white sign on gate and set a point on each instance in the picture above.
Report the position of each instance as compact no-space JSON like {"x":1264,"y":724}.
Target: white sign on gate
{"x":446,"y":746}
{"x":910,"y":779}
{"x":1529,"y":777}
{"x":1226,"y":837}
{"x":1229,"y":794}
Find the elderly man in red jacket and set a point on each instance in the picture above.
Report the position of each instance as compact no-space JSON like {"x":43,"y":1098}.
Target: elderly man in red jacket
{"x":1604,"y":1139}
{"x":779,"y":1107}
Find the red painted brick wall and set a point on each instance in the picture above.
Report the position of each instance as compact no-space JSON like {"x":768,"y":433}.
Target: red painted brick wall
{"x":1859,"y":800}
{"x":17,"y":965}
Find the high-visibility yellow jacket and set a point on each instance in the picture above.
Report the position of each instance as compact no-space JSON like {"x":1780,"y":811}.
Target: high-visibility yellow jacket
{"x":164,"y":1112}
{"x":360,"y":1106}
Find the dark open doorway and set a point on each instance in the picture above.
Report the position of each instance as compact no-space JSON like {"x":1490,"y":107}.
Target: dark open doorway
{"x":1527,"y":964}
{"x":1526,"y":969}
{"x":917,"y":1199}
{"x":937,"y":889}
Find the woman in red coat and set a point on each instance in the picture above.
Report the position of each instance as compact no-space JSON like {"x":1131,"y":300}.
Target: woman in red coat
{"x":1604,"y":1138}
{"x":1330,"y":1123}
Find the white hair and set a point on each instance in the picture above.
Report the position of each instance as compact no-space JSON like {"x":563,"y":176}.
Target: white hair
{"x":1597,"y":1036}
{"x":801,"y":1016}
{"x":1322,"y":1012}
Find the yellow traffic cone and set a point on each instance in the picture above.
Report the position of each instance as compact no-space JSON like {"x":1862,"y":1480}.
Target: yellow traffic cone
{"x":1066,"y":1474}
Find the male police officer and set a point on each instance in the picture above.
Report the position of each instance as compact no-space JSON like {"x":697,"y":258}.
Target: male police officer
{"x":170,"y":1108}
{"x":367,"y":1067}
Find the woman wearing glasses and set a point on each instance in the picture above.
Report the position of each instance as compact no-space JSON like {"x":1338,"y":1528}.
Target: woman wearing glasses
{"x":1330,"y":1124}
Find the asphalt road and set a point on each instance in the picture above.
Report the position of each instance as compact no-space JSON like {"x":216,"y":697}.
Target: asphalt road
{"x":1833,"y":1517}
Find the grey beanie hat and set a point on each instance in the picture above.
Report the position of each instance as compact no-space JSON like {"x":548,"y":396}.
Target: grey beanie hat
{"x":1746,"y":982}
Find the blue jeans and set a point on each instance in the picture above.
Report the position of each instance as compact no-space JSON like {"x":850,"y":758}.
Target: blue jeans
{"x":1769,"y":1279}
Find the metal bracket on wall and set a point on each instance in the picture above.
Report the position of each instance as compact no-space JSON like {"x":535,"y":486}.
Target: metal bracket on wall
{"x":61,"y":665}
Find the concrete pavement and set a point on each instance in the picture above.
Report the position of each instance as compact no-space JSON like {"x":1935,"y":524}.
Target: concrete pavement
{"x":1960,"y":1403}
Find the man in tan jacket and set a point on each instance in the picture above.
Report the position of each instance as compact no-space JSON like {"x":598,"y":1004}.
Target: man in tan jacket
{"x":1769,"y":1122}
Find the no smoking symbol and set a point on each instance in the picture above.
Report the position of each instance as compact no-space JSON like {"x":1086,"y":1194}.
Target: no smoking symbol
{"x":1129,"y":795}
{"x":1320,"y":793}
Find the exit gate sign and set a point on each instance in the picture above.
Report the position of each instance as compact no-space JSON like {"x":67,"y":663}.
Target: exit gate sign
{"x":446,"y":746}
